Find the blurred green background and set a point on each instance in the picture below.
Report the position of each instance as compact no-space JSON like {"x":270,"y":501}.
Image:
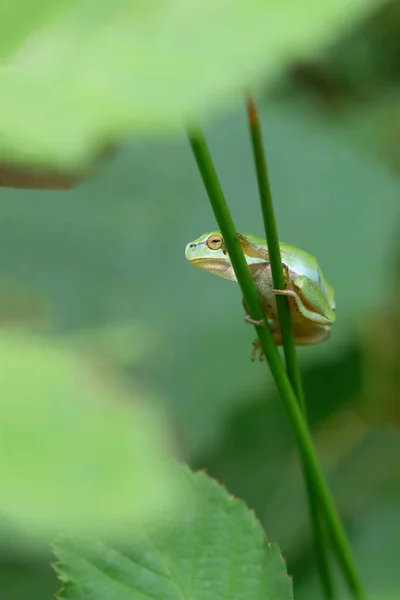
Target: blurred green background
{"x":104,"y":263}
{"x":110,"y":254}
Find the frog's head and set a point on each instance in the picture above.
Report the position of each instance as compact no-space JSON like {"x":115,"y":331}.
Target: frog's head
{"x":209,"y":253}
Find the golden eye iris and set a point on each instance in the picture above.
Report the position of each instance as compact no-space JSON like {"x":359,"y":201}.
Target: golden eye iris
{"x":214,"y":242}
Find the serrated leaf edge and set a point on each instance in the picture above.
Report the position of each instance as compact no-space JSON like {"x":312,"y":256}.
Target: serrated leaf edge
{"x":66,"y":580}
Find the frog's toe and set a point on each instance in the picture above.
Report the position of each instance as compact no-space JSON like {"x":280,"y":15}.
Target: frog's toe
{"x":260,"y":323}
{"x":257,"y":350}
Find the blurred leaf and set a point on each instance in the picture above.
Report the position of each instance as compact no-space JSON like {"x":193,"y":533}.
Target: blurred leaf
{"x":215,"y":548}
{"x":258,"y":461}
{"x":77,"y":452}
{"x":100,"y":70}
{"x":23,"y":306}
{"x":41,"y":179}
{"x":376,"y":546}
{"x":34,"y":180}
{"x":112,"y":251}
{"x":257,"y":444}
{"x":19,"y":18}
{"x":345,"y":445}
{"x":380,"y":396}
{"x":353,"y":85}
{"x":124,"y":344}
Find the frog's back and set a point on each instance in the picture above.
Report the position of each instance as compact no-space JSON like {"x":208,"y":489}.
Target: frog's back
{"x":300,"y":261}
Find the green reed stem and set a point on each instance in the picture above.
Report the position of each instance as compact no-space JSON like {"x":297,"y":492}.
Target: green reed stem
{"x":292,"y":365}
{"x":304,"y":442}
{"x":274,"y":251}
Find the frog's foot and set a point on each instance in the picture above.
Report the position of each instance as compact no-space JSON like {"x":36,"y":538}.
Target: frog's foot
{"x":257,"y":351}
{"x":251,"y":321}
{"x":276,"y":334}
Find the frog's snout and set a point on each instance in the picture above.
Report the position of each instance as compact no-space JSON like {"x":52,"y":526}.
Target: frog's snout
{"x":189,"y":250}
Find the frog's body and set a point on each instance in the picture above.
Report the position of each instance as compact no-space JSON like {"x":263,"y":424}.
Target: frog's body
{"x":311,"y":297}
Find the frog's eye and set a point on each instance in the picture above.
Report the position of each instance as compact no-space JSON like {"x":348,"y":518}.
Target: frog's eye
{"x":214,"y":242}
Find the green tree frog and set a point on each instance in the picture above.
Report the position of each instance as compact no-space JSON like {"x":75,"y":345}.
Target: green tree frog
{"x":311,"y":297}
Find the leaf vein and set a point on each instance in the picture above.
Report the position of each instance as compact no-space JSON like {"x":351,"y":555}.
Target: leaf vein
{"x":115,"y":579}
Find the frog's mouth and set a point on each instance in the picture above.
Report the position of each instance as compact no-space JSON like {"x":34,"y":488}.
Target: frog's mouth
{"x":218,"y":266}
{"x":219,"y":263}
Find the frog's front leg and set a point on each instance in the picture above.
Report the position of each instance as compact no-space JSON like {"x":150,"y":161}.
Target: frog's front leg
{"x":249,"y":248}
{"x":249,"y":319}
{"x":258,"y":322}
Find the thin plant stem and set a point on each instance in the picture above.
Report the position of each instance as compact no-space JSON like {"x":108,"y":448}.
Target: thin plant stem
{"x":274,"y":251}
{"x":246,"y":283}
{"x":292,"y":365}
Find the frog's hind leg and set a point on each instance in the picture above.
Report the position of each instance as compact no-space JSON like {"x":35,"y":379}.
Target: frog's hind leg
{"x":301,"y":337}
{"x":257,"y":350}
{"x":318,"y":310}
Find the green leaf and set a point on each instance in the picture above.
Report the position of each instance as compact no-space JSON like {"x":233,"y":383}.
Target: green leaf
{"x":215,"y":549}
{"x":122,"y":344}
{"x":100,"y":70}
{"x":77,"y":451}
{"x":19,"y":18}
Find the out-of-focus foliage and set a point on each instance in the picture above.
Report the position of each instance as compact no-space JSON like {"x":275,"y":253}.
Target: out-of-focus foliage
{"x":215,"y":544}
{"x":102,"y":269}
{"x":77,"y":454}
{"x":114,"y":282}
{"x":98,"y":258}
{"x":88,"y":72}
{"x":353,"y":86}
{"x":380,"y":398}
{"x":20,"y":18}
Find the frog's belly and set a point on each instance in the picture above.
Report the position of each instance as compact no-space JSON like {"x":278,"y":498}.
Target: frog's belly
{"x":269,"y":306}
